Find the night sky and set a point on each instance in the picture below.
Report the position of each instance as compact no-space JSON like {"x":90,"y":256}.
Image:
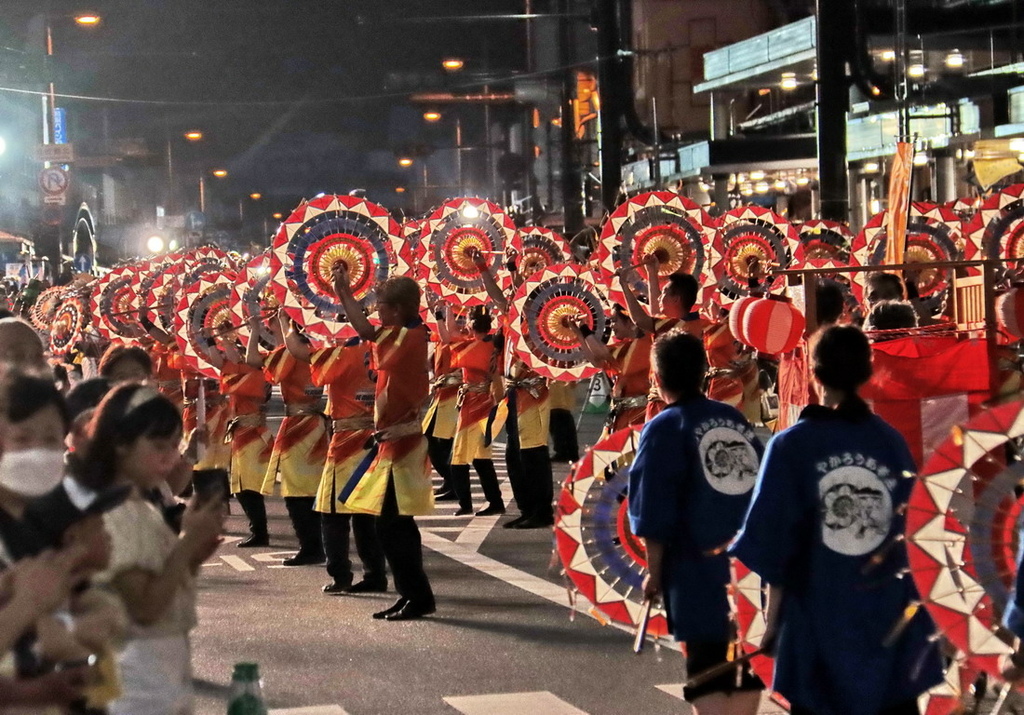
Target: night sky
{"x":294,"y":96}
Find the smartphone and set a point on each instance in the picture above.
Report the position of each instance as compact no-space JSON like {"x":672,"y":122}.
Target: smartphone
{"x":211,"y":484}
{"x":72,"y":664}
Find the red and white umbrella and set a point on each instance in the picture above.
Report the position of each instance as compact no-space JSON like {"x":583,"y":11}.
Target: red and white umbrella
{"x":113,"y":305}
{"x":252,"y":295}
{"x":745,"y":233}
{"x":202,"y":312}
{"x":540,"y":315}
{"x":671,"y":227}
{"x":317,"y":236}
{"x":537,"y":248}
{"x":602,"y":557}
{"x":451,"y":235}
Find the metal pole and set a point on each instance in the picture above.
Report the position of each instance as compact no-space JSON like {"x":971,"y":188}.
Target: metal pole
{"x":202,"y":193}
{"x":657,"y":143}
{"x":51,"y":137}
{"x":833,"y":102}
{"x":458,"y":153}
{"x":170,"y":177}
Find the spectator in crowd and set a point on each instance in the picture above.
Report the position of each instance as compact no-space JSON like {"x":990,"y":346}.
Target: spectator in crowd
{"x":134,"y":440}
{"x":124,"y":363}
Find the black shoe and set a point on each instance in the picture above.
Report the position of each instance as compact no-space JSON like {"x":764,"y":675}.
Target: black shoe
{"x":411,"y":611}
{"x":536,"y":522}
{"x":334,"y":588}
{"x":365,"y":586}
{"x":446,"y":495}
{"x":515,"y":522}
{"x":301,"y":559}
{"x":565,"y":458}
{"x":491,"y":510}
{"x":395,"y":608}
{"x":464,"y":511}
{"x":254,"y":541}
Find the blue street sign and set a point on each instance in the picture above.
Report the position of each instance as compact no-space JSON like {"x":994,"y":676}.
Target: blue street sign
{"x":60,"y":126}
{"x":195,"y":221}
{"x":83,"y":262}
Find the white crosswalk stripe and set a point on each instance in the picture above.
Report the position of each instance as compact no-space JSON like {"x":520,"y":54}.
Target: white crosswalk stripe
{"x":536,"y":703}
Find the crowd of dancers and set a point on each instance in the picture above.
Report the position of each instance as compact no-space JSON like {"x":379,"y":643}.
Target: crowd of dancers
{"x":103,"y":544}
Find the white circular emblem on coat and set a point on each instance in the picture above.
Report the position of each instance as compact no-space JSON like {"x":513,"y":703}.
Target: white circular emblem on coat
{"x":856,"y":510}
{"x":729,"y":461}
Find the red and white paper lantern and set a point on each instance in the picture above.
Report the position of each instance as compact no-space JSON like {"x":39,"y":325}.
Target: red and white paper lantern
{"x":736,"y":314}
{"x":772,"y":325}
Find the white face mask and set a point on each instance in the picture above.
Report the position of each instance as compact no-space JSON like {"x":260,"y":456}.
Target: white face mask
{"x":31,"y":472}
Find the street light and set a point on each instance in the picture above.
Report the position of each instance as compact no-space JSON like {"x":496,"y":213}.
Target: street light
{"x":194,"y":135}
{"x":255,"y":196}
{"x":220,"y":173}
{"x":88,"y":19}
{"x":155,"y":244}
{"x":453,"y":64}
{"x":399,"y":189}
{"x":432,"y":116}
{"x":278,"y":216}
{"x":405,"y":162}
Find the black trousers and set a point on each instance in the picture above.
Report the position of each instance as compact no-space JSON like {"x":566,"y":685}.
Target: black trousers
{"x":440,"y":453}
{"x":400,"y":538}
{"x":306,"y":524}
{"x":563,"y":436}
{"x":906,"y":708}
{"x":488,"y":480}
{"x":529,"y":471}
{"x":335,"y":530}
{"x":255,"y":511}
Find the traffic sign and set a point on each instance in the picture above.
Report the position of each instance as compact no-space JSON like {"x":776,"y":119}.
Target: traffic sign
{"x":54,"y":181}
{"x":56,"y":153}
{"x":195,"y":221}
{"x":55,"y":199}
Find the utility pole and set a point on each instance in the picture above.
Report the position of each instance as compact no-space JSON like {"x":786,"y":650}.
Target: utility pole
{"x":572,"y":181}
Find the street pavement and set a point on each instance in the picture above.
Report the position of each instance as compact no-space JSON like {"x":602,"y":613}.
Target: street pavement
{"x":504,"y":639}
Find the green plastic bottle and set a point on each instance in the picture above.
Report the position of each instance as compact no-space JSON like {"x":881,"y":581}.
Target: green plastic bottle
{"x":246,"y":691}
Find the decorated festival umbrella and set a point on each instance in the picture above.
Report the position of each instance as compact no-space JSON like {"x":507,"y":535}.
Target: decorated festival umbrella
{"x":998,"y":225}
{"x":317,"y":236}
{"x":252,"y":295}
{"x":414,"y":249}
{"x":70,"y":322}
{"x":145,"y":277}
{"x":45,"y":307}
{"x":537,"y":248}
{"x":161,"y":298}
{"x":961,"y":532}
{"x":672,"y":227}
{"x":824,"y":242}
{"x":202,"y":260}
{"x":113,"y":305}
{"x":204,"y":307}
{"x":602,"y":557}
{"x":746,"y":233}
{"x":540,"y":316}
{"x":452,"y":233}
{"x":933,"y":235}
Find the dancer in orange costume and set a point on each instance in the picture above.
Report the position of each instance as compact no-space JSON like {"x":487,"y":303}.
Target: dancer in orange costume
{"x":394,"y":480}
{"x":627,"y":361}
{"x":300,"y":447}
{"x":247,"y":436}
{"x":345,"y":372}
{"x":528,"y":403}
{"x":672,"y":308}
{"x":166,"y":363}
{"x":479,"y":358}
{"x":442,"y":413}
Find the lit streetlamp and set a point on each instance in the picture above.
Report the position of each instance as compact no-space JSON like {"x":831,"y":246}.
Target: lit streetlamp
{"x":88,"y":19}
{"x":453,"y":64}
{"x":193,"y":135}
{"x":155,"y":244}
{"x":432,"y":116}
{"x":256,"y":196}
{"x":405,"y":162}
{"x":220,"y":173}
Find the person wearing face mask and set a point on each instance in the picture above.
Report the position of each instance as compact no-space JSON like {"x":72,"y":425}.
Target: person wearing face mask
{"x":33,"y":421}
{"x":134,"y":440}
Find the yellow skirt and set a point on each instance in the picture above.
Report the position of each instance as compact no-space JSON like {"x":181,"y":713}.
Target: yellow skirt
{"x":347,"y":451}
{"x":472,"y":436}
{"x":533,"y":415}
{"x":251,"y":449}
{"x":217,"y":454}
{"x":444,"y":412}
{"x":300,"y":451}
{"x":405,"y":461}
